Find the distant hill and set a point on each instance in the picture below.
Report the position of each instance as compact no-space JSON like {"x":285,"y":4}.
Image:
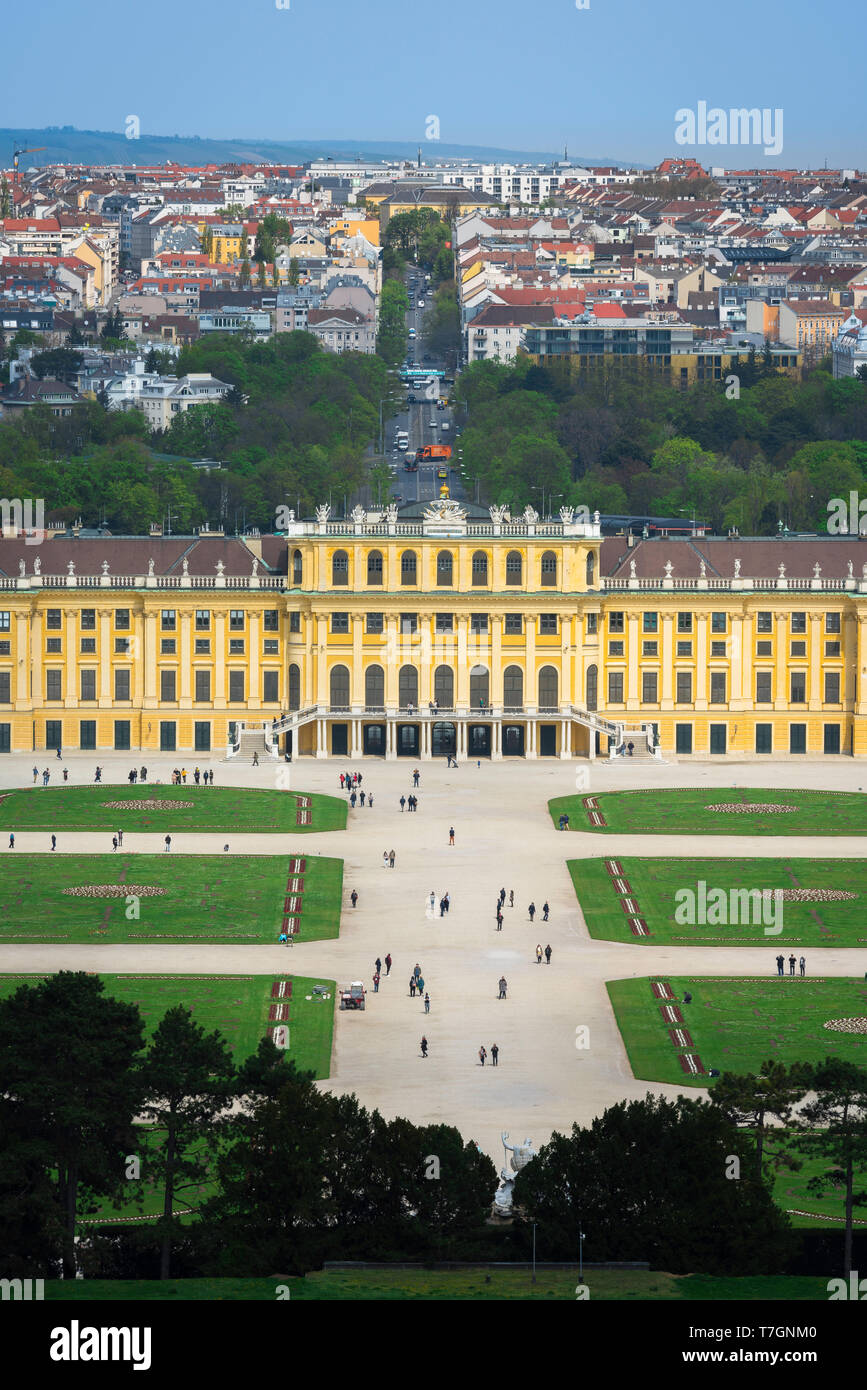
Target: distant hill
{"x":66,"y":145}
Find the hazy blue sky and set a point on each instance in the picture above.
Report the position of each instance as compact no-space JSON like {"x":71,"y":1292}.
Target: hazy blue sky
{"x":607,"y":79}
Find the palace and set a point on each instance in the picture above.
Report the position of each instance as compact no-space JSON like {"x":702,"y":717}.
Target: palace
{"x":440,"y":628}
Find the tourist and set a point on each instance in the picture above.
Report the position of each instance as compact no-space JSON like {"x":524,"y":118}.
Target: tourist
{"x":419,"y":984}
{"x":502,"y":897}
{"x":687,"y":998}
{"x":432,"y":900}
{"x":66,"y":774}
{"x":59,"y":754}
{"x":547,"y":955}
{"x":402,"y":802}
{"x":11,"y":841}
{"x":120,"y":838}
{"x":482,"y":1054}
{"x":143,"y":775}
{"x":511,"y":897}
{"x":283,"y":938}
{"x":792,"y":964}
{"x":416,"y":970}
{"x":342,"y":780}
{"x":388,"y":965}
{"x":412,"y":986}
{"x":168,"y":844}
{"x":495,"y":1052}
{"x":385,"y":858}
{"x":803,"y":965}
{"x":780,"y":964}
{"x":391,"y":859}
{"x":54,"y":846}
{"x":630,"y":748}
{"x":376,"y":982}
{"x":503,"y":987}
{"x":255,"y":762}
{"x":97,"y":777}
{"x":424,"y":1047}
{"x":353,"y":898}
{"x":35,"y":775}
{"x":197,"y":776}
{"x":46,"y":777}
{"x":361,"y":796}
{"x":352,"y":799}
{"x":539,"y":953}
{"x":442,"y":907}
{"x":369,"y":799}
{"x":129,"y":778}
{"x":133,"y":776}
{"x":499,"y":920}
{"x":545,"y":910}
{"x":427,"y":1003}
{"x":225,"y":849}
{"x":377,"y":964}
{"x":451,"y":835}
{"x":114,"y":843}
{"x":416,"y":775}
{"x":184,"y":774}
{"x":532,"y":911}
{"x":447,"y":900}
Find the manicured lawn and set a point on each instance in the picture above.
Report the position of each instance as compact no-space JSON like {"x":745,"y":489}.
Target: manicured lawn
{"x":790,"y":1193}
{"x":736,"y":1024}
{"x":406,"y":1284}
{"x":684,"y":811}
{"x":653,"y":884}
{"x":244,"y":809}
{"x":220,"y":898}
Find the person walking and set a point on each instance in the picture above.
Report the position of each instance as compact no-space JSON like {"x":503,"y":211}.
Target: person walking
{"x":120,"y":838}
{"x":342,"y":780}
{"x":46,"y":777}
{"x":168,"y":844}
{"x":499,"y":920}
{"x":511,"y":897}
{"x":427,"y":1002}
{"x":66,"y":774}
{"x":353,"y":898}
{"x":388,"y":964}
{"x":792,"y":964}
{"x":412,"y":986}
{"x":432,"y":901}
{"x":361,"y":796}
{"x":419,"y":984}
{"x":539,"y":954}
{"x":503,"y":987}
{"x":803,"y":965}
{"x":143,"y":775}
{"x":97,"y":777}
{"x":255,"y":760}
{"x":424,"y":1047}
{"x":532,"y":911}
{"x":495,"y":1052}
{"x":114,"y":843}
{"x":12,"y":841}
{"x":482,"y":1054}
{"x":416,"y":777}
{"x":545,"y":910}
{"x":369,"y":800}
{"x":780,"y":963}
{"x":376,"y":982}
{"x":630,"y":748}
{"x":502,"y":896}
{"x":416,"y":970}
{"x":391,"y":859}
{"x":447,"y":899}
{"x":385,"y":858}
{"x":54,"y":846}
{"x":547,"y":955}
{"x":352,"y":800}
{"x":59,"y":754}
{"x":35,"y":775}
{"x":402,"y":802}
{"x":378,"y":965}
{"x":442,"y":907}
{"x":451,"y":835}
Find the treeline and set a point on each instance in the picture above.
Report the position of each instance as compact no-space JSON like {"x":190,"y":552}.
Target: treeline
{"x":762,"y":452}
{"x":282,"y":1176}
{"x":293,"y":431}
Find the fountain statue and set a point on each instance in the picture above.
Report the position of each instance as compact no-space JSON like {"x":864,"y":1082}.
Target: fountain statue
{"x":522,"y":1154}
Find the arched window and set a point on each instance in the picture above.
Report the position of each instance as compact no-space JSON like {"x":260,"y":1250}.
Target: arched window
{"x":340,"y":568}
{"x":374,"y":687}
{"x":514,"y":567}
{"x":340,"y":687}
{"x":294,"y":686}
{"x":480,"y":568}
{"x":374,"y":567}
{"x":444,"y":568}
{"x":408,"y":567}
{"x":407,"y":686}
{"x":590,"y":568}
{"x":548,"y":688}
{"x":549,"y":570}
{"x":480,"y":687}
{"x":444,"y":687}
{"x":297,"y":568}
{"x":513,"y":687}
{"x":591,"y":684}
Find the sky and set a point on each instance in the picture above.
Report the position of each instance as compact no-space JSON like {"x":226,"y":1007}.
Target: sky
{"x":607,"y":79}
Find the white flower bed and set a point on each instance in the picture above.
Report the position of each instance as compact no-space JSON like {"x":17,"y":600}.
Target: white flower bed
{"x":815,"y":895}
{"x":115,"y":890}
{"x":769,"y":808}
{"x":149,"y":805}
{"x":846,"y":1025}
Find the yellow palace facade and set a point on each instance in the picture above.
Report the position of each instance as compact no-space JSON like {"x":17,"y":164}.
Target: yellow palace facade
{"x":432,"y":631}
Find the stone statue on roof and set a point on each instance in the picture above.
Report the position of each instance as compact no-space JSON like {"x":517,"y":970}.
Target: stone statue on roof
{"x":105,"y":567}
{"x":185,"y":566}
{"x":22,"y":568}
{"x":37,"y":565}
{"x":219,"y":567}
{"x":151,"y":568}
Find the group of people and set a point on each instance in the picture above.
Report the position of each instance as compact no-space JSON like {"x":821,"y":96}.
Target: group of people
{"x":495,"y":1054}
{"x":377,"y":966}
{"x":388,"y":858}
{"x":409,"y":802}
{"x":564,"y":821}
{"x":445,"y":903}
{"x":781,"y":963}
{"x":136,"y":775}
{"x":531,"y":910}
{"x":179,"y":775}
{"x":351,"y":782}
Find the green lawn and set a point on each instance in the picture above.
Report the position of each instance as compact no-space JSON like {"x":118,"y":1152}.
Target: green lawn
{"x":413,"y":1285}
{"x":58,"y":808}
{"x":653,"y":884}
{"x":221,"y":898}
{"x":736,"y":1024}
{"x":684,"y":811}
{"x":790,"y":1193}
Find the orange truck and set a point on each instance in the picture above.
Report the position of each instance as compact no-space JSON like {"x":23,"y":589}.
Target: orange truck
{"x":433,"y":453}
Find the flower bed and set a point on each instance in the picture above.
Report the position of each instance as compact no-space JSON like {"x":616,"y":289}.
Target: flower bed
{"x":815,"y":895}
{"x":757,"y":808}
{"x":115,"y":890}
{"x":151,"y":804}
{"x":846,"y":1025}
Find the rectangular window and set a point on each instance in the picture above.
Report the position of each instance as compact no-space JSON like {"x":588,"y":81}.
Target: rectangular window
{"x":121,"y":619}
{"x":5,"y":738}
{"x":683,"y":738}
{"x":203,"y":619}
{"x":684,"y":624}
{"x":615,"y":622}
{"x":294,"y":621}
{"x":764,"y":622}
{"x":54,"y":685}
{"x":799,"y":622}
{"x":831,"y":738}
{"x":88,"y":619}
{"x":798,"y":688}
{"x":6,"y":648}
{"x":121,"y":734}
{"x":684,"y":649}
{"x":167,"y":646}
{"x":203,"y":687}
{"x":717,"y":648}
{"x":764,"y":738}
{"x":718,"y":622}
{"x":444,"y":622}
{"x":87,"y":734}
{"x":202,"y":736}
{"x":408,"y":623}
{"x":340,"y":622}
{"x":717,"y":687}
{"x":718,"y":738}
{"x":271,"y":646}
{"x":271,"y":687}
{"x":514,"y":625}
{"x":236,"y":620}
{"x":203,"y":646}
{"x":121,"y":685}
{"x":764,"y":648}
{"x":478,"y":622}
{"x":649,"y":648}
{"x":832,"y":624}
{"x":615,"y":648}
{"x":5,"y":621}
{"x":168,"y":736}
{"x":650,"y":622}
{"x":648,"y":687}
{"x":373,"y":624}
{"x":684,"y":687}
{"x":592,"y":624}
{"x":168,"y":620}
{"x":121,"y":644}
{"x":52,"y":619}
{"x":88,"y":685}
{"x":236,"y":687}
{"x":168,"y":683}
{"x":271,"y":620}
{"x":615,"y":687}
{"x":5,"y":687}
{"x":764,"y":692}
{"x":798,"y":649}
{"x":547,"y":624}
{"x":54,"y":646}
{"x":832,"y":687}
{"x":832,"y":648}
{"x":797,"y":738}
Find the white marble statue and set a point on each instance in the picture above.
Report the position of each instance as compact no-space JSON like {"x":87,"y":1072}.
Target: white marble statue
{"x":105,"y":567}
{"x":737,"y":569}
{"x":498,"y":514}
{"x":70,"y":568}
{"x":566,"y":515}
{"x":358,"y":515}
{"x":521,"y":1155}
{"x":702,"y":569}
{"x":219,"y":567}
{"x":668,"y":567}
{"x":391,"y":513}
{"x":185,"y":565}
{"x":37,"y":565}
{"x":849,"y":571}
{"x":781,"y":570}
{"x":530,"y":515}
{"x":323,"y":512}
{"x":255,"y":565}
{"x":817,"y":570}
{"x":151,"y":564}
{"x":631,"y":569}
{"x":22,"y":568}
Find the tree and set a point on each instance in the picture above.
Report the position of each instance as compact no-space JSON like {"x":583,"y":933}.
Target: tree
{"x":751,"y":1101}
{"x":294,"y":272}
{"x":833,"y":1126}
{"x":69,"y":1084}
{"x":5,"y":198}
{"x":62,"y":363}
{"x":112,"y":329}
{"x":187,"y":1078}
{"x":392,"y":338}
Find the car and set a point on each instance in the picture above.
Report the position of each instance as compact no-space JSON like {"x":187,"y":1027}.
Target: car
{"x":421,"y":303}
{"x":353,"y":996}
{"x":442,"y":472}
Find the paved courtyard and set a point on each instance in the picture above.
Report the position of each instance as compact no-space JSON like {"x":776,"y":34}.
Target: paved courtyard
{"x":503,"y":838}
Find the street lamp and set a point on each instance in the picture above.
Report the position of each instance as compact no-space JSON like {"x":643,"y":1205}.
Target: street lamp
{"x":581,"y":1257}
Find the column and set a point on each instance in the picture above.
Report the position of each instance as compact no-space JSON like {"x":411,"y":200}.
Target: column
{"x":746,"y":662}
{"x":736,"y":662}
{"x":392,"y":661}
{"x":424,"y":660}
{"x":355,"y":738}
{"x":185,"y":692}
{"x":138,"y":665}
{"x":105,"y":654}
{"x":426,"y":739}
{"x":71,"y":696}
{"x":667,"y":701}
{"x":463,"y":670}
{"x":37,"y":686}
{"x":566,"y":634}
{"x":23,"y":654}
{"x":390,"y":739}
{"x":462,"y":738}
{"x":496,"y":664}
{"x":814,"y":652}
{"x":633,"y":639}
{"x":254,"y":689}
{"x":219,"y":691}
{"x":701,"y":661}
{"x":322,"y":691}
{"x":781,"y":693}
{"x":565,"y":749}
{"x":497,"y":739}
{"x":530,"y":620}
{"x":530,"y":750}
{"x":356,"y":669}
